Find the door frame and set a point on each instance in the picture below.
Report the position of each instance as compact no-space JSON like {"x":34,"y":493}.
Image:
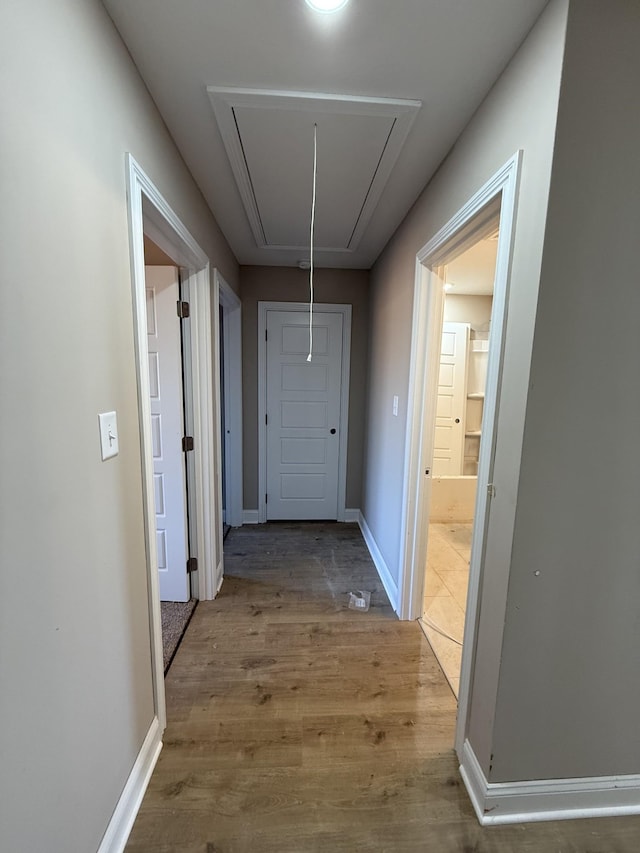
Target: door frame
{"x":231,"y":400}
{"x":326,"y":308}
{"x":149,"y":213}
{"x":458,"y":233}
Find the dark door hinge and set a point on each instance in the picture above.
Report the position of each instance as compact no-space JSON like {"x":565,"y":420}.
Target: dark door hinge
{"x":266,"y":419}
{"x":266,"y":335}
{"x":183,"y":310}
{"x":266,"y":499}
{"x":187,"y":443}
{"x":192,"y":565}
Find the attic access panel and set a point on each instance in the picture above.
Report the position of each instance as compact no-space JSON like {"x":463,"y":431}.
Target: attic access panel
{"x":269,"y":140}
{"x":278,"y":150}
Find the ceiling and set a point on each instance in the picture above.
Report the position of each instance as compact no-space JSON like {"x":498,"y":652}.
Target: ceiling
{"x":473,"y":272}
{"x":154,"y":255}
{"x":389,"y":86}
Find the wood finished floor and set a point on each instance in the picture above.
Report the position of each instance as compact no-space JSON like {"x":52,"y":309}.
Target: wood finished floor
{"x":295,"y":724}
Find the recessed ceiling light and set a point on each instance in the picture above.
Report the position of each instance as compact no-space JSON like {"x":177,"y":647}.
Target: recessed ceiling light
{"x":326,"y":5}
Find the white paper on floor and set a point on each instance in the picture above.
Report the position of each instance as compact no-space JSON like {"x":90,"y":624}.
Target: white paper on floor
{"x":359,"y":600}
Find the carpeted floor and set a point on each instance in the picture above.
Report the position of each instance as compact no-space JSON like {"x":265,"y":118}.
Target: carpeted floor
{"x":175,"y":618}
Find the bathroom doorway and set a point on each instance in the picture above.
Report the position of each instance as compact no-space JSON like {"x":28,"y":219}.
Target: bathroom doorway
{"x":468,"y":283}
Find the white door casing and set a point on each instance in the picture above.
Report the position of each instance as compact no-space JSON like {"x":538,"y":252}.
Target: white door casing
{"x":302,"y":464}
{"x":167,"y":430}
{"x":149,"y":213}
{"x":448,"y":446}
{"x":303,"y":415}
{"x":501,"y":190}
{"x":230,"y":343}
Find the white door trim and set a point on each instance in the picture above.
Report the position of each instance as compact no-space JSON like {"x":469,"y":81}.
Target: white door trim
{"x":232,"y":348}
{"x":150,"y":213}
{"x":345,"y":310}
{"x":426,"y":333}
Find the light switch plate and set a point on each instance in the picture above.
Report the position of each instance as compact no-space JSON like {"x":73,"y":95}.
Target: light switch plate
{"x":395,"y":405}
{"x":108,"y":434}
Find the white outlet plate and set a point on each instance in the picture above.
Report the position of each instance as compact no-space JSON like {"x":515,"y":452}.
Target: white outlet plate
{"x":108,"y":434}
{"x":395,"y":405}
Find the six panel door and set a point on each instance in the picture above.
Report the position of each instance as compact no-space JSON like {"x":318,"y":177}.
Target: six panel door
{"x":165,"y":380}
{"x":448,"y":445}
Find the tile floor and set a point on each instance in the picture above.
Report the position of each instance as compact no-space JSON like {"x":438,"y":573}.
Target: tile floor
{"x":445,"y":597}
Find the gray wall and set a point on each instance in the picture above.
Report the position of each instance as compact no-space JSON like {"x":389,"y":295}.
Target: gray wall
{"x":519,"y":113}
{"x":75,"y":669}
{"x":292,"y":285}
{"x":569,"y":688}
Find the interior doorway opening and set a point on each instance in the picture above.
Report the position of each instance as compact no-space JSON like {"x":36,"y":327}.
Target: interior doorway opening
{"x":496,"y":198}
{"x":460,"y":398}
{"x":151,"y":215}
{"x":173,"y":479}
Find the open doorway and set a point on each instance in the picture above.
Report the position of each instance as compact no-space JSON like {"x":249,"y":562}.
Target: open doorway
{"x":459,"y":407}
{"x":151,"y":215}
{"x":472,"y":222}
{"x":171,"y":475}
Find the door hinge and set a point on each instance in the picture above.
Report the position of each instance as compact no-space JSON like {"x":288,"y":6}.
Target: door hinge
{"x":266,"y":499}
{"x":187,"y":443}
{"x":266,"y":335}
{"x":266,"y":419}
{"x":183,"y":310}
{"x":491,"y":490}
{"x":192,"y":565}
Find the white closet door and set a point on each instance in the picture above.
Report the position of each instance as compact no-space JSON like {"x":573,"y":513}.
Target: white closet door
{"x":303,"y":415}
{"x":452,"y":384}
{"x":167,"y":430}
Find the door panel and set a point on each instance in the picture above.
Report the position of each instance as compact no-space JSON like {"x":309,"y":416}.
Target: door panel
{"x":313,"y":377}
{"x":301,"y":450}
{"x":450,"y":406}
{"x":167,"y":429}
{"x":303,"y":414}
{"x":303,"y":407}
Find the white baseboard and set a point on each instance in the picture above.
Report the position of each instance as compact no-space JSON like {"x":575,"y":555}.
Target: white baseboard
{"x":250,"y":516}
{"x":547,"y":799}
{"x":383,"y":570}
{"x":125,"y":812}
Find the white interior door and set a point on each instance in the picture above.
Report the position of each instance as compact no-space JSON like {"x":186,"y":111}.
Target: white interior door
{"x":303,"y":415}
{"x":167,"y":430}
{"x":448,"y":446}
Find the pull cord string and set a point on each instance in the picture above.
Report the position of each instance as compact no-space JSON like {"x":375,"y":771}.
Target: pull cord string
{"x":313,"y":220}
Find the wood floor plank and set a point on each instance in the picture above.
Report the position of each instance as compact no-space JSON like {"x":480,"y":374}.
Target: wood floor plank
{"x":296,"y":725}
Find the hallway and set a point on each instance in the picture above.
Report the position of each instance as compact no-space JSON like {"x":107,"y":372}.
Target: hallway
{"x":295,"y":724}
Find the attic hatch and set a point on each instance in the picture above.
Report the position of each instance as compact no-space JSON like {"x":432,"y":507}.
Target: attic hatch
{"x":266,"y":135}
